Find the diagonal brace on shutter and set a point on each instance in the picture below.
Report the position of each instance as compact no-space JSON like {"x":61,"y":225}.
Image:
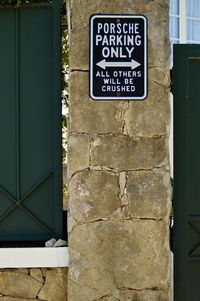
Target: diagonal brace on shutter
{"x":19,"y":203}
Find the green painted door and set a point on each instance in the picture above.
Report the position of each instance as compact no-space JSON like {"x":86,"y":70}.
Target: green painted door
{"x":30,"y":122}
{"x":187,"y":172}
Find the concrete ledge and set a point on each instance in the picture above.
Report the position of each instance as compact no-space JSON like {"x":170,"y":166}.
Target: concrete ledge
{"x":34,"y":257}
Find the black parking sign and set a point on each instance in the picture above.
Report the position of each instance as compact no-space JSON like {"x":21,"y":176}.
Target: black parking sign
{"x":118,"y":57}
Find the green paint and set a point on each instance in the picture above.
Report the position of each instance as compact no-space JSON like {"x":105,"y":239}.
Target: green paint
{"x":19,"y":2}
{"x":187,"y":172}
{"x":30,"y":123}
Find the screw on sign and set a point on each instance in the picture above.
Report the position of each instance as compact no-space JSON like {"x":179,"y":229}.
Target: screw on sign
{"x":118,"y":57}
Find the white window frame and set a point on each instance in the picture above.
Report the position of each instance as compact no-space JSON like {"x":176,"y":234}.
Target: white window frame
{"x":182,"y":17}
{"x":182,"y":22}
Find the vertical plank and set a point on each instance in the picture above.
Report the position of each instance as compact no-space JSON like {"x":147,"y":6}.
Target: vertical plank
{"x":186,"y":171}
{"x":30,"y":123}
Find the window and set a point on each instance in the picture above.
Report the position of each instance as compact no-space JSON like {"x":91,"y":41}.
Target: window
{"x":184,"y":27}
{"x":184,"y":21}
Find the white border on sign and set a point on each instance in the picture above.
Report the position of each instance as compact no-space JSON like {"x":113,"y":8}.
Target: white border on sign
{"x":91,"y":56}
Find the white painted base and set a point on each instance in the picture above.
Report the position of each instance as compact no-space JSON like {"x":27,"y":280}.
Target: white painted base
{"x":34,"y":257}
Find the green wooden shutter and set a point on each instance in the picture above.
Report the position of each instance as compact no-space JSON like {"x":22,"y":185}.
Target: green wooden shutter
{"x":30,"y":122}
{"x":187,"y":172}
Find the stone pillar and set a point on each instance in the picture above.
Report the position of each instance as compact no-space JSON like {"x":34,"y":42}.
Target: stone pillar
{"x":118,"y":170}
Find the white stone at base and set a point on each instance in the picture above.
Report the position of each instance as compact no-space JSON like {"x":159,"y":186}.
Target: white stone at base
{"x":34,"y":257}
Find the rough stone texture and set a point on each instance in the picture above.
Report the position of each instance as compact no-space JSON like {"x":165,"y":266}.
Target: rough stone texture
{"x":24,"y":271}
{"x":37,"y":274}
{"x":148,"y":194}
{"x":150,"y":117}
{"x":91,"y":250}
{"x":119,"y":186}
{"x":17,"y":284}
{"x":29,"y":284}
{"x":125,"y":153}
{"x":65,"y":169}
{"x":20,"y":270}
{"x":122,"y":183}
{"x":147,"y":295}
{"x":65,"y":195}
{"x":158,"y":43}
{"x":65,"y":202}
{"x":15,"y":299}
{"x":44,"y":271}
{"x":105,"y":255}
{"x":89,"y":116}
{"x":156,"y":12}
{"x":55,"y":287}
{"x":78,"y":153}
{"x":95,"y":195}
{"x":144,"y":242}
{"x":107,"y":299}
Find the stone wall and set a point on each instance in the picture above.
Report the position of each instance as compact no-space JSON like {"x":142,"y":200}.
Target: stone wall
{"x":33,"y":284}
{"x":118,"y":170}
